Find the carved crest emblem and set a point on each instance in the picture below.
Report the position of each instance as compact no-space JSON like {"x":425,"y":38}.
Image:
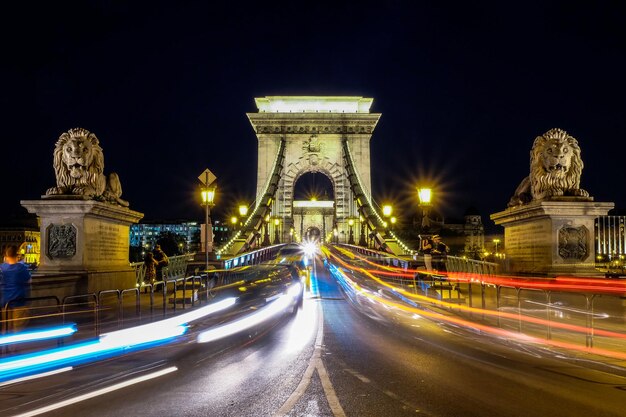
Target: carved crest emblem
{"x":312,"y":145}
{"x":61,"y":240}
{"x":573,"y":243}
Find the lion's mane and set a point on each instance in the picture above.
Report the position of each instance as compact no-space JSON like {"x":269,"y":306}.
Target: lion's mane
{"x":92,"y":176}
{"x":82,"y":172}
{"x":555,"y":169}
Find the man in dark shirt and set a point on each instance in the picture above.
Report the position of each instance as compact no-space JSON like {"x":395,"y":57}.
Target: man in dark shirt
{"x":15,"y":285}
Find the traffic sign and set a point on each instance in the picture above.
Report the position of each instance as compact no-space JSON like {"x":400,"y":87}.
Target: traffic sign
{"x":207,"y":177}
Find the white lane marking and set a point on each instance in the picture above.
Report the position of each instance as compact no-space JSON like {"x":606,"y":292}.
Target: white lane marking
{"x":315,"y":363}
{"x":97,"y":393}
{"x":357,"y":375}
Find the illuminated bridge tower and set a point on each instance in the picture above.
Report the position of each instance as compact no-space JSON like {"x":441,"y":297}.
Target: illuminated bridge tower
{"x":300,"y":135}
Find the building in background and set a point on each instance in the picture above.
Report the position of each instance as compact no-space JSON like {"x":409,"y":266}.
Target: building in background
{"x":610,"y":238}
{"x":468,"y":235}
{"x":145,"y":234}
{"x":23,"y":233}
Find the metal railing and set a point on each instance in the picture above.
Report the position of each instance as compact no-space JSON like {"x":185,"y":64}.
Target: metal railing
{"x":253,"y":257}
{"x":532,"y":311}
{"x":110,"y":308}
{"x":176,"y":268}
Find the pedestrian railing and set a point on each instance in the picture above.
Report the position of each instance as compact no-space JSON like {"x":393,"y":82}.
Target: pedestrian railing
{"x":253,"y":257}
{"x":537,"y":308}
{"x":177,"y":268}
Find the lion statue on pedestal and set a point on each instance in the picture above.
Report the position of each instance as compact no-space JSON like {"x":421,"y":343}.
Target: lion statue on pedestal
{"x":79,"y":168}
{"x":555,"y":169}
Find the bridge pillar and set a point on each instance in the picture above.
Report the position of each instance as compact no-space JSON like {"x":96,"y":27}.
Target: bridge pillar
{"x":553,"y":237}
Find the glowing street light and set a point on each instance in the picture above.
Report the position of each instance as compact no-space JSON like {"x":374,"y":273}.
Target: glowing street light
{"x":266,"y":235}
{"x":243,"y":210}
{"x":208,"y":198}
{"x":351,"y":238}
{"x":362,"y":240}
{"x":387,"y":210}
{"x":276,"y":228}
{"x":425,"y":197}
{"x":496,"y":241}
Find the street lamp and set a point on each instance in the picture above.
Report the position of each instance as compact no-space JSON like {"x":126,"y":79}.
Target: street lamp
{"x":393,"y":222}
{"x":243,"y":210}
{"x":208,"y":197}
{"x":266,"y":235}
{"x":362,"y":240}
{"x":387,"y":210}
{"x":425,"y":197}
{"x":351,"y":238}
{"x":291,"y":235}
{"x":233,"y":221}
{"x":496,"y":241}
{"x":276,"y":228}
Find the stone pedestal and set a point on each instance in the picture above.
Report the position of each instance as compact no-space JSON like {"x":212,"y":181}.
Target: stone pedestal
{"x":85,"y":238}
{"x":553,"y":237}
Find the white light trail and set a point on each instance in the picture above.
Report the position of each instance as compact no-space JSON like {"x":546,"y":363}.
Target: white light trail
{"x":38,"y":335}
{"x":97,"y":393}
{"x":254,"y":319}
{"x":108,"y":343}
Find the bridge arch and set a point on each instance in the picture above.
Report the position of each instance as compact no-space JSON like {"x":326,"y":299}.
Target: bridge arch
{"x":299,"y":135}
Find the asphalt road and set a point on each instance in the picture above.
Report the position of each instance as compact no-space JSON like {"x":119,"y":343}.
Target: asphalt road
{"x":333,"y":358}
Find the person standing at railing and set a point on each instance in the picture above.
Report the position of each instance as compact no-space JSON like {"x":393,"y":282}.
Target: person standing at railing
{"x":15,"y":285}
{"x":151,"y":268}
{"x":427,"y":249}
{"x":439,"y":254}
{"x":162,"y":261}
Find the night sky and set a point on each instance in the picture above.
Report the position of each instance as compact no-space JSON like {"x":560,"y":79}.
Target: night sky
{"x":463,"y":90}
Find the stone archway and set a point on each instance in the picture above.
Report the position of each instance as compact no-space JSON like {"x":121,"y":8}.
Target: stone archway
{"x":313,"y":130}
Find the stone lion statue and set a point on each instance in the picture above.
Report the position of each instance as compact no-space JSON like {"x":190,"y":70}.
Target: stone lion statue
{"x":555,"y":169}
{"x":79,"y":166}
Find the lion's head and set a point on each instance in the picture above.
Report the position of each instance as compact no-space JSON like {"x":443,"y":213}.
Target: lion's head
{"x":555,"y":165}
{"x":78,"y":164}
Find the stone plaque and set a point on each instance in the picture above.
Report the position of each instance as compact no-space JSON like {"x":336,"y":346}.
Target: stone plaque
{"x":61,"y":241}
{"x":573,"y":243}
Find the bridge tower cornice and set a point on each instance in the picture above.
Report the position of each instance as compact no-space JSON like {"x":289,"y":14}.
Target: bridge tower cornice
{"x":314,"y":123}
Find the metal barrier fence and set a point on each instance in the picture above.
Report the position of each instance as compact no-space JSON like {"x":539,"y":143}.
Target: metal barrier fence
{"x":176,"y":268}
{"x":470,"y":266}
{"x":253,"y":257}
{"x":112,"y":307}
{"x":590,"y":317}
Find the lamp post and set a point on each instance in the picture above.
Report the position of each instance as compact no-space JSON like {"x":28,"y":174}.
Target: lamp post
{"x":362,"y":240}
{"x":233,"y":221}
{"x":243,"y":211}
{"x":387,"y":210}
{"x":351,"y":238}
{"x":276,"y":229}
{"x":266,"y":235}
{"x":393,"y":222}
{"x":208,"y":197}
{"x":425,"y":197}
{"x":496,"y":241}
{"x":291,"y":235}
